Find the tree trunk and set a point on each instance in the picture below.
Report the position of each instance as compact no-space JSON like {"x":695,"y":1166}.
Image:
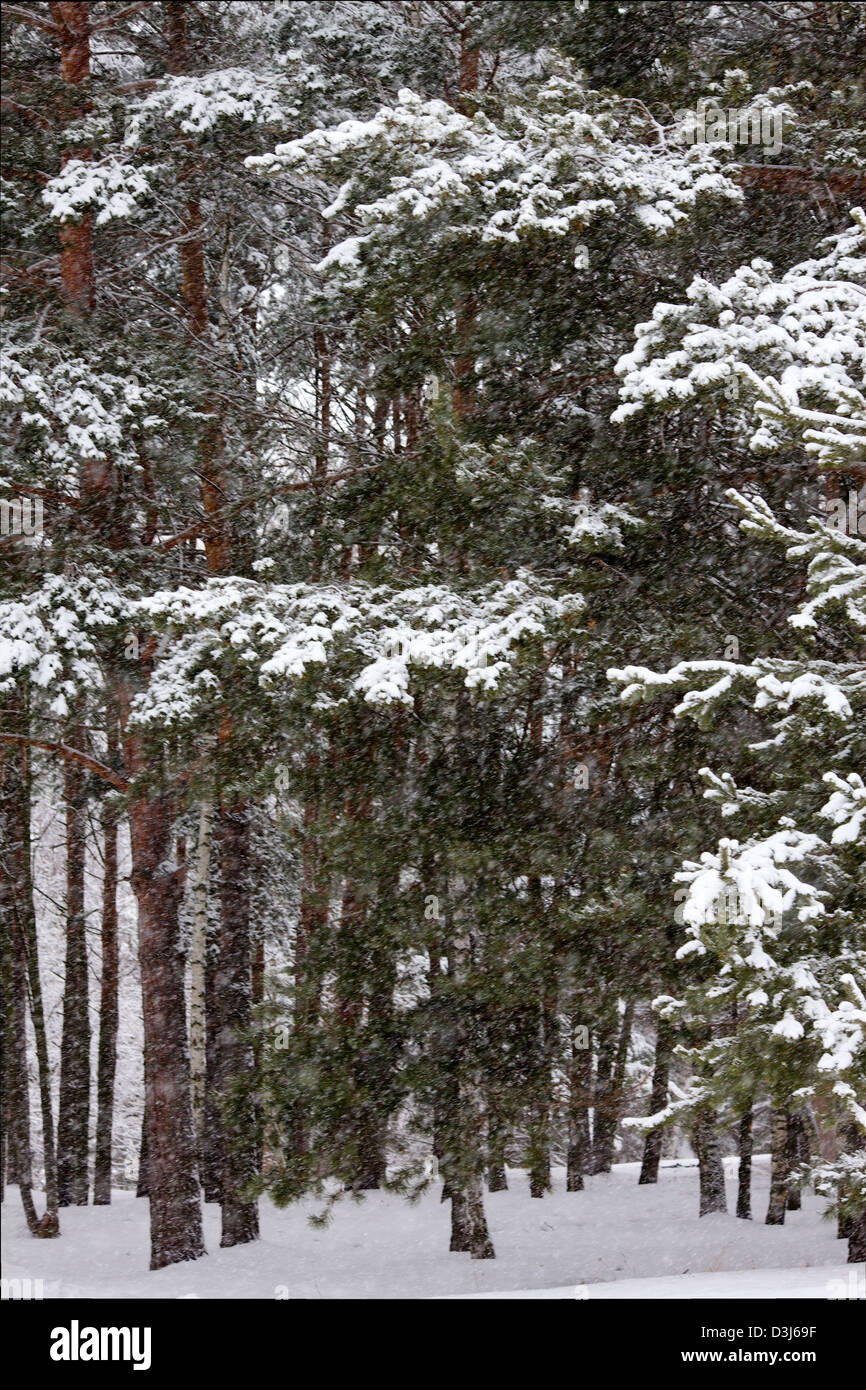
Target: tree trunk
{"x":445,"y":1101}
{"x":744,"y":1176}
{"x":76,"y":236}
{"x":853,"y":1228}
{"x":13,"y":977}
{"x":258,"y":994}
{"x":5,"y":1123}
{"x":198,"y":969}
{"x":497,"y":1138}
{"x":445,"y":1105}
{"x":466,"y":312}
{"x":469,"y":1233}
{"x":361,"y":971}
{"x":779,"y":1168}
{"x":539,"y":1170}
{"x":18,"y":917}
{"x":372,"y":1167}
{"x":18,"y":1159}
{"x":175,"y":1211}
{"x":465,"y":1163}
{"x":579,"y":1136}
{"x":611,"y":1079}
{"x":15,"y":1078}
{"x":652,"y":1149}
{"x":210,"y":1149}
{"x":857,"y":1240}
{"x":76,"y":271}
{"x":312,"y":921}
{"x":108,"y":1015}
{"x":440,"y":1142}
{"x":543,"y":1043}
{"x":142,"y":1187}
{"x":376,"y":1059}
{"x":469,"y":1229}
{"x":602,"y":1083}
{"x":712,"y":1170}
{"x":240,"y":1219}
{"x":74,"y":1108}
{"x":467,"y":79}
{"x":213,"y":483}
{"x":322,"y":358}
{"x":796,"y":1135}
{"x":50,"y":1225}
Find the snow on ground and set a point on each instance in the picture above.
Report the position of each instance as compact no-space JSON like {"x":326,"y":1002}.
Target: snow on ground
{"x":822,"y":1281}
{"x":613,"y":1240}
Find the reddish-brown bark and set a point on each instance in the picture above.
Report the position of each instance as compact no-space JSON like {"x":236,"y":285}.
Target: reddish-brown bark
{"x":18,"y":943}
{"x":175,"y":1210}
{"x":848,"y":184}
{"x":76,"y":237}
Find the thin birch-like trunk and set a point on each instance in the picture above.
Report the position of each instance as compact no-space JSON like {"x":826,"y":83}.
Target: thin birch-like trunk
{"x":579,"y":1133}
{"x":469,"y":1231}
{"x":74,"y":1103}
{"x":108,"y":1014}
{"x":198,"y":967}
{"x":240,"y":1219}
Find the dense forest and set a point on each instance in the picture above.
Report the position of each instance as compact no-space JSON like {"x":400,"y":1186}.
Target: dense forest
{"x":432,"y":605}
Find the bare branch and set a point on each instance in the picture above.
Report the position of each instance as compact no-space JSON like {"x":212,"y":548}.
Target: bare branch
{"x":38,"y":21}
{"x":72,"y":754}
{"x":183,"y":536}
{"x":7,"y":104}
{"x":48,"y":494}
{"x":306,"y":486}
{"x":111,"y":20}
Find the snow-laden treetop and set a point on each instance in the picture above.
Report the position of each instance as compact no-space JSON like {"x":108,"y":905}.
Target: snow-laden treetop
{"x":796,"y":346}
{"x":552,"y":167}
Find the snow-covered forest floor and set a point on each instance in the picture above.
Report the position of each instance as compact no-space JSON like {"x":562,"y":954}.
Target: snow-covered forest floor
{"x":613,"y":1240}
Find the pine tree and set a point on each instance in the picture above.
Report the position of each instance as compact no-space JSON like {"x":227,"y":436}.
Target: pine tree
{"x":788,"y":949}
